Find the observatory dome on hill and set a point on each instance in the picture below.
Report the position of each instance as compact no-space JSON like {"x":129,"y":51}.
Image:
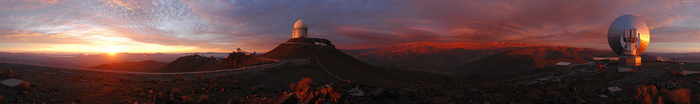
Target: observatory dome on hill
{"x":326,"y":59}
{"x":300,"y":30}
{"x":299,"y":42}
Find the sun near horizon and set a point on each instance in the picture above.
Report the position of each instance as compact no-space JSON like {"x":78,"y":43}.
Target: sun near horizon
{"x":112,"y":50}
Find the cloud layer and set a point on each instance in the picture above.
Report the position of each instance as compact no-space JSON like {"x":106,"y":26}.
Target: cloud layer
{"x":260,"y":25}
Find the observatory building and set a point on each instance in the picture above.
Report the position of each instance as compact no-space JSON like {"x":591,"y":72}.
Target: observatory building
{"x":628,"y":36}
{"x":300,"y":36}
{"x":300,"y":30}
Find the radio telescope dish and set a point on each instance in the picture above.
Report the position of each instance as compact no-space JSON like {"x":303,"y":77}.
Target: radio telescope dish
{"x":617,"y":35}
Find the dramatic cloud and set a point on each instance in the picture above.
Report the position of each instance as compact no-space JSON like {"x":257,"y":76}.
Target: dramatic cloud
{"x":559,"y":22}
{"x":260,"y":25}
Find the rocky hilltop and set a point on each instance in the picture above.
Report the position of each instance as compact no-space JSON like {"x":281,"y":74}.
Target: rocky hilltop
{"x":328,"y":60}
{"x":188,"y":63}
{"x":238,"y":60}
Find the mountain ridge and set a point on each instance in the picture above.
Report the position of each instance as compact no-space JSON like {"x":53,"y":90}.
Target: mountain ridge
{"x":440,"y":56}
{"x":468,"y":60}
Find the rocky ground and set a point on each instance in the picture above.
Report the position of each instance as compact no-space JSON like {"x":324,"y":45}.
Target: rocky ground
{"x":308,"y":85}
{"x":72,"y":88}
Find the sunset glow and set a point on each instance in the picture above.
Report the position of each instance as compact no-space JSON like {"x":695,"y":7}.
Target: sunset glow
{"x":222,"y":26}
{"x":112,"y":50}
{"x":352,"y":51}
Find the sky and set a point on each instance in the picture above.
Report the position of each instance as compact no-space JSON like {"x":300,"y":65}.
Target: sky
{"x":169,"y":26}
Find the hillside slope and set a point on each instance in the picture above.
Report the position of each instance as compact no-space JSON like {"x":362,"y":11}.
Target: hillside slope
{"x":438,"y":57}
{"x":237,"y":60}
{"x":347,"y":68}
{"x":201,"y":63}
{"x":142,"y":66}
{"x":187,"y":63}
{"x":515,"y":63}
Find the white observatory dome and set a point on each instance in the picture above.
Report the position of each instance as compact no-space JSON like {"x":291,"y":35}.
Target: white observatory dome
{"x":299,"y":24}
{"x":300,"y":30}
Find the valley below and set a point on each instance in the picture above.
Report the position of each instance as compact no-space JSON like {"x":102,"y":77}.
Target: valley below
{"x":472,"y":73}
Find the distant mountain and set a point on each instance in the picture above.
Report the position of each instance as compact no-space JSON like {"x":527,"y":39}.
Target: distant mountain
{"x":197,"y":62}
{"x":516,"y":63}
{"x":691,"y":56}
{"x":84,"y":60}
{"x":143,"y":66}
{"x":188,"y":63}
{"x":430,"y":56}
{"x":476,"y":62}
{"x":237,"y":60}
{"x":418,"y":48}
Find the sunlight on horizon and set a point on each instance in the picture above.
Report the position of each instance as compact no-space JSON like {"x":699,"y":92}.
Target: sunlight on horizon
{"x":103,"y":44}
{"x":219,"y":26}
{"x":112,"y":50}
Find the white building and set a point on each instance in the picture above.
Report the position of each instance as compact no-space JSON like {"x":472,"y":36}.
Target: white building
{"x":658,"y":58}
{"x":300,"y":30}
{"x":562,"y":68}
{"x":321,"y":44}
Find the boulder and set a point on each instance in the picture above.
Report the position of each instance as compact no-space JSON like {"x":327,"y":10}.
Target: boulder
{"x":690,"y":72}
{"x":356,"y":92}
{"x":379,"y":93}
{"x":614,"y":89}
{"x":289,"y":98}
{"x":11,"y":82}
{"x":624,"y":69}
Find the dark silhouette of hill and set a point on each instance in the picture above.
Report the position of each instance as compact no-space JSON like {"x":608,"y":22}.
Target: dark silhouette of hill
{"x":353,"y":52}
{"x":348,"y":68}
{"x":143,"y":66}
{"x":437,"y":57}
{"x":201,"y":63}
{"x":188,"y":63}
{"x":85,"y":60}
{"x":237,"y":60}
{"x":516,"y":63}
{"x":430,"y":56}
{"x":484,"y":62}
{"x":296,"y":48}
